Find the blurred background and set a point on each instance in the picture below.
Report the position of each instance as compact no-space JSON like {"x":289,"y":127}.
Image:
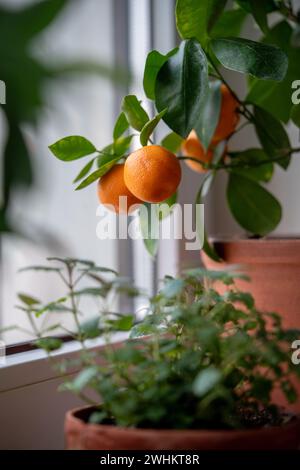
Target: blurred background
{"x":66,"y":65}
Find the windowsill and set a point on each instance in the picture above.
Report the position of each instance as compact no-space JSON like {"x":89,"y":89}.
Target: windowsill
{"x":27,"y":368}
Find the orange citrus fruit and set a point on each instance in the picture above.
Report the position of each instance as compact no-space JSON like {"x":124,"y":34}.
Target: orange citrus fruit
{"x":192,"y":147}
{"x":112,"y":186}
{"x":152,"y":173}
{"x":229,"y":116}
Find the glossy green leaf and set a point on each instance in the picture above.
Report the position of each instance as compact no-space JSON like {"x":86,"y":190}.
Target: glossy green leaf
{"x":250,"y":161}
{"x":253,"y":207}
{"x":272,"y":135}
{"x":195,"y":18}
{"x":84,"y":171}
{"x":72,"y":147}
{"x":105,"y":164}
{"x":206,"y":380}
{"x":28,"y":300}
{"x":166,"y":207}
{"x":172,"y":142}
{"x":172,"y":288}
{"x":209,"y":117}
{"x":149,"y":127}
{"x":181,"y":87}
{"x":149,"y":226}
{"x":275,"y":97}
{"x":121,"y":126}
{"x":154,"y":62}
{"x":84,"y":378}
{"x":124,"y":323}
{"x":121,"y":145}
{"x":134,"y":112}
{"x":229,"y":24}
{"x":202,"y":193}
{"x":242,"y":55}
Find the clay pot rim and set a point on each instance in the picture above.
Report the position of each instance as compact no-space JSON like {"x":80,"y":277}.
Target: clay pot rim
{"x":271,"y":250}
{"x":71,"y":418}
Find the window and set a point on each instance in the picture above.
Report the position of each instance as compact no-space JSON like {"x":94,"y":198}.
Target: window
{"x":56,"y":220}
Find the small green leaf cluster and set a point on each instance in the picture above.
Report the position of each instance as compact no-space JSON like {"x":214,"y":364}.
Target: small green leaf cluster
{"x":184,"y":86}
{"x":198,"y":359}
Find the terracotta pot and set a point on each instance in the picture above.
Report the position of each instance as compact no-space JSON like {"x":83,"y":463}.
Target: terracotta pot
{"x":274,"y":268}
{"x":80,"y":435}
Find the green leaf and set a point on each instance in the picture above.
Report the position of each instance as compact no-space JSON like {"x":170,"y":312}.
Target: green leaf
{"x":276,"y":97}
{"x":124,"y":323}
{"x":49,"y":344}
{"x":248,"y":159}
{"x":149,"y":226}
{"x":209,"y":116}
{"x":242,"y":55}
{"x":260,"y":14}
{"x":85,"y":170}
{"x":195,"y":18}
{"x":253,"y":207}
{"x":272,"y":136}
{"x":72,"y":147}
{"x":172,"y":288}
{"x":40,"y":268}
{"x":181,"y":87}
{"x":206,"y":380}
{"x":149,"y":127}
{"x":165,"y":207}
{"x":121,"y":145}
{"x":229,"y":24}
{"x":142,"y":329}
{"x":202,"y":193}
{"x":172,"y":142}
{"x":134,"y":112}
{"x":295,"y":114}
{"x":28,"y":300}
{"x":84,"y":378}
{"x":32,"y":19}
{"x":121,"y":126}
{"x":106,"y":163}
{"x":90,"y":328}
{"x":54,"y":306}
{"x":154,"y":62}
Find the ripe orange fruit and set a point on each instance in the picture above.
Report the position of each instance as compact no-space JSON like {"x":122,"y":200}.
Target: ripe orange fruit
{"x":192,"y":147}
{"x":152,"y":173}
{"x":111,"y":186}
{"x":229,"y":116}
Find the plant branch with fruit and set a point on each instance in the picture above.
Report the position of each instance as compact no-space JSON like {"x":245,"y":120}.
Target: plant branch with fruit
{"x":202,"y":111}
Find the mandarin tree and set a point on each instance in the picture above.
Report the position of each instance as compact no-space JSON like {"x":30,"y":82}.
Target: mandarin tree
{"x":204,"y":112}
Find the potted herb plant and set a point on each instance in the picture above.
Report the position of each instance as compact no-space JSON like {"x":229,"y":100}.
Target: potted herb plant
{"x":197,"y":372}
{"x":204,"y":113}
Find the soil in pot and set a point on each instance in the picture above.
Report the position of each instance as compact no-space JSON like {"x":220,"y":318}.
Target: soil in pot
{"x":81,"y":435}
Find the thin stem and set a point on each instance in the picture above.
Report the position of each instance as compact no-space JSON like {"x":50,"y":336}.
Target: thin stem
{"x":225,"y":166}
{"x":73,"y":304}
